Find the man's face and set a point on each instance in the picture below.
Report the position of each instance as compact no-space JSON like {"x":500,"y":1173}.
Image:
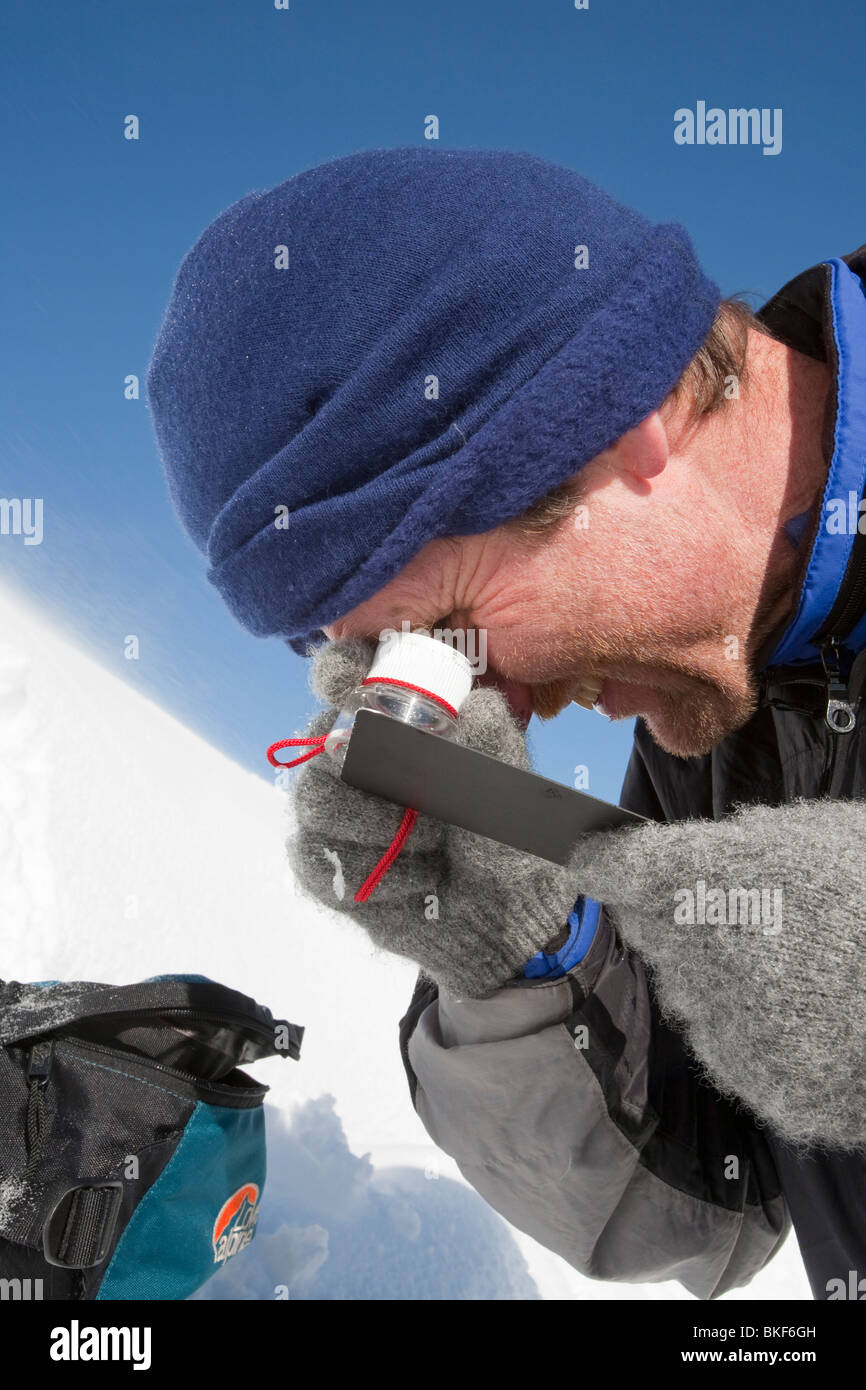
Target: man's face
{"x":629,"y":597}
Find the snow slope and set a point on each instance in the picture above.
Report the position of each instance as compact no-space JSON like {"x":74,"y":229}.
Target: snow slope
{"x":129,"y":847}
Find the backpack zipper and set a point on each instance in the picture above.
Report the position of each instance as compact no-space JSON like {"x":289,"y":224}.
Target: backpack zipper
{"x":251,"y":1024}
{"x":150,"y":1062}
{"x":38,"y":1071}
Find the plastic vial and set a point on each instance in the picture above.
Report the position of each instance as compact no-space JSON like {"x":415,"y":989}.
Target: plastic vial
{"x":415,"y":678}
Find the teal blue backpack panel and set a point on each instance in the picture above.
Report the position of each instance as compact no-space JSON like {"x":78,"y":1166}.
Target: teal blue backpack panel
{"x":200,"y":1212}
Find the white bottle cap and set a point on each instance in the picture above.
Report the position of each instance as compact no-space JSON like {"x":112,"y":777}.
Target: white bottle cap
{"x":425,"y":662}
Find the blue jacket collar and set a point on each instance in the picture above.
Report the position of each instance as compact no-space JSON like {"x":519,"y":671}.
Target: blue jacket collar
{"x":823,"y":312}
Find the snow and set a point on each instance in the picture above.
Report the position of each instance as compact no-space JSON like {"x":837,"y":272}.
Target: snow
{"x":130,"y":847}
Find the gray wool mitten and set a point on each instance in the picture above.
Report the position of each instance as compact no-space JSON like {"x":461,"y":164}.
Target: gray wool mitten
{"x":470,"y":912}
{"x":770,"y":994}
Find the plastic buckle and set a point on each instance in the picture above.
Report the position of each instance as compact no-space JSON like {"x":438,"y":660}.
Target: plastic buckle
{"x":79,"y":1230}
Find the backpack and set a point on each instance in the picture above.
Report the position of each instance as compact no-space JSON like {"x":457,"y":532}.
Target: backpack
{"x":132,"y":1147}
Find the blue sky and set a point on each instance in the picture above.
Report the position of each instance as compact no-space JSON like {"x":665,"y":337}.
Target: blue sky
{"x":234,"y":95}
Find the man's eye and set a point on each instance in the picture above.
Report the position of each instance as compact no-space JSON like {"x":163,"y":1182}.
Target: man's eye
{"x":447,"y":624}
{"x":429,"y":624}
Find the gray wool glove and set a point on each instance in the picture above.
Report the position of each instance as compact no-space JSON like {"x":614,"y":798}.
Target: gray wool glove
{"x":770,"y":994}
{"x":470,"y":912}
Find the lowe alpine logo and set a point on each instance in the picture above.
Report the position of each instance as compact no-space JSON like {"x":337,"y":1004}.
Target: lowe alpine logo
{"x":235,"y":1226}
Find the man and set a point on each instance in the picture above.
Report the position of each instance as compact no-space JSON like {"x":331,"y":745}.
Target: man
{"x":468,"y":386}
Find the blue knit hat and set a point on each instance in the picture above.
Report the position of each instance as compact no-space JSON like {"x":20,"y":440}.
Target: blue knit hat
{"x":427,"y":355}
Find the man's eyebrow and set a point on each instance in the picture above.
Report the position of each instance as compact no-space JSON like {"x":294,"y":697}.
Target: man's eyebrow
{"x":426,"y":618}
{"x":366,"y":633}
{"x":417,"y":618}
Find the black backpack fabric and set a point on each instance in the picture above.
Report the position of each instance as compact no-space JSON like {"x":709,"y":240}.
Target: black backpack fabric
{"x":132,"y":1145}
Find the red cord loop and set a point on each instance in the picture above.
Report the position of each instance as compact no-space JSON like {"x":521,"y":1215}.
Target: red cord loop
{"x":317,"y":745}
{"x":318,"y":740}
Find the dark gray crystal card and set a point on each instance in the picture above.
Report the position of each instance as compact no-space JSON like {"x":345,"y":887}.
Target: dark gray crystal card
{"x":472,"y":790}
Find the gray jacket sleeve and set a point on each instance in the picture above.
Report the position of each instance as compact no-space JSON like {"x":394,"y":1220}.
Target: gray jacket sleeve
{"x":576,"y":1113}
